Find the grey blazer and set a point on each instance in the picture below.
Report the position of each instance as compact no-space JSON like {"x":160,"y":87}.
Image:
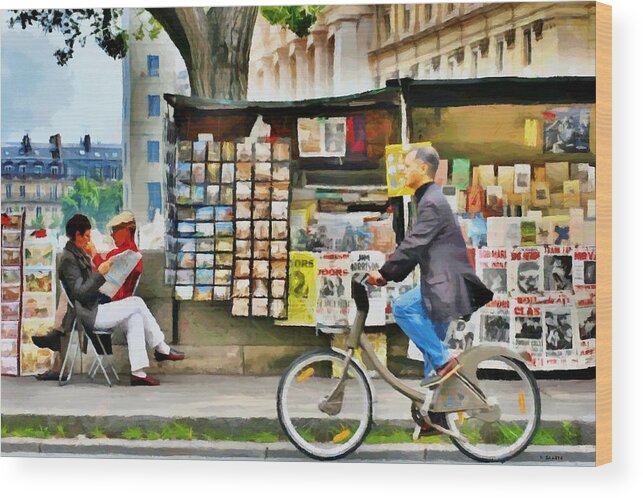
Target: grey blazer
{"x":449,"y":285}
{"x":81,"y":285}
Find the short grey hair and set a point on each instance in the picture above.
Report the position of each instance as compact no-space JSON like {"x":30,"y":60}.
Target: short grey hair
{"x":429,"y":156}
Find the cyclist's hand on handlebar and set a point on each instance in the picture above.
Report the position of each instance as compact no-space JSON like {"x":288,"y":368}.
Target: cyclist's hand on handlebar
{"x":376,"y":278}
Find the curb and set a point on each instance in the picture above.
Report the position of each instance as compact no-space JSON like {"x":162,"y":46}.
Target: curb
{"x":225,"y":450}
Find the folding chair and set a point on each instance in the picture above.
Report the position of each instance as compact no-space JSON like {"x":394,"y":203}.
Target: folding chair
{"x":108,"y":359}
{"x":74,"y":347}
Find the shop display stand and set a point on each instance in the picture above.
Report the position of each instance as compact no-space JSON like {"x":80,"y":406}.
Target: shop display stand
{"x":12,"y":281}
{"x":207,"y":211}
{"x":38,"y":304}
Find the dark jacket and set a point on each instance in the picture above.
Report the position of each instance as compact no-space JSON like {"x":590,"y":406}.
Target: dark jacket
{"x":449,"y":285}
{"x":81,"y":285}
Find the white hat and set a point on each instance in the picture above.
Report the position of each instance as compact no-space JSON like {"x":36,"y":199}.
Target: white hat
{"x":122,"y":218}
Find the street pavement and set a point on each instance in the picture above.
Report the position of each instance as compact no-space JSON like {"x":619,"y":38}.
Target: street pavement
{"x":240,"y":402}
{"x":196,"y":396}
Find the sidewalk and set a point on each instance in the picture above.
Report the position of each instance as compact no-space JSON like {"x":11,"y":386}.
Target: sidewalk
{"x":234,"y":397}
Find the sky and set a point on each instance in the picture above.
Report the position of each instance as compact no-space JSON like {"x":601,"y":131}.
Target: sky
{"x":40,"y":97}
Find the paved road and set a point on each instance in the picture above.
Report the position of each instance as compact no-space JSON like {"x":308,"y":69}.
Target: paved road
{"x":235,"y":397}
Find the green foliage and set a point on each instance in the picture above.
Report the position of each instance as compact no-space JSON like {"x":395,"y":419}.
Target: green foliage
{"x":4,"y":431}
{"x":296,"y":18}
{"x":60,"y":431}
{"x":177,"y":431}
{"x":98,"y":202}
{"x":77,"y":26}
{"x":544,"y":437}
{"x":133,"y":433}
{"x":37,"y":222}
{"x":35,"y":432}
{"x":56,"y":221}
{"x":97,"y":433}
{"x":150,"y":28}
{"x":569,"y":434}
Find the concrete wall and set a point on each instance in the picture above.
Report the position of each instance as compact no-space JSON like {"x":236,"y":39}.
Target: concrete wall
{"x":215,"y":341}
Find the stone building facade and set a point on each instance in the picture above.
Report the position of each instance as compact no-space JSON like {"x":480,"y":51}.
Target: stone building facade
{"x":150,"y":69}
{"x":35,"y":177}
{"x":356,"y":48}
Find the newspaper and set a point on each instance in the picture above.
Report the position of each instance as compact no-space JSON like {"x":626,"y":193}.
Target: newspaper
{"x":495,"y":325}
{"x":557,"y":268}
{"x":525,"y":271}
{"x":333,"y":290}
{"x":584,"y":272}
{"x":302,"y":289}
{"x":363,"y":262}
{"x":122,"y":266}
{"x":559,"y":337}
{"x":528,"y":335}
{"x":586,"y":319}
{"x":491,"y":267}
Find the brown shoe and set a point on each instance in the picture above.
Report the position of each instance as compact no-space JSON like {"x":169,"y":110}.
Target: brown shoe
{"x":135,"y":380}
{"x":173,"y":355}
{"x":442,"y":373}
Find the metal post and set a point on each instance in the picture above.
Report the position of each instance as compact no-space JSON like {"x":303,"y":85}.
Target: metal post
{"x":175,"y":321}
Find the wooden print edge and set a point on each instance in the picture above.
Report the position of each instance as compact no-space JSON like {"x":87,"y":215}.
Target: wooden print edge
{"x":604,"y":233}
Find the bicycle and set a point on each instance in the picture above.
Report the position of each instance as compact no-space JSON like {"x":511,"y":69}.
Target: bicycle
{"x":325,"y":398}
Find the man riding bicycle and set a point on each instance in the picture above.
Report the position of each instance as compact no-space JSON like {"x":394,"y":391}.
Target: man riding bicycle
{"x":449,"y":287}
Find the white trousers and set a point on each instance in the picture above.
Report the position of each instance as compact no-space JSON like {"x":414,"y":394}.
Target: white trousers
{"x":140,"y":327}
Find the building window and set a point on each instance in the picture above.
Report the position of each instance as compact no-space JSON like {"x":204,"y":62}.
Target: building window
{"x":293,"y":77}
{"x":407,"y":17}
{"x":54,"y":170}
{"x":22,"y":169}
{"x":7,"y":191}
{"x":331,"y":61}
{"x":428,"y":12}
{"x":475,"y":53}
{"x":500,"y":55}
{"x":38,"y":169}
{"x":23,"y":192}
{"x":8,"y":168}
{"x":386,"y":19}
{"x":526,"y":50}
{"x":38,"y":211}
{"x":153,"y":199}
{"x":153,"y":151}
{"x":38,"y":191}
{"x":152,"y":65}
{"x":153,"y":105}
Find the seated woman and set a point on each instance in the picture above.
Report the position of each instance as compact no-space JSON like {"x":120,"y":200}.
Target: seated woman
{"x":94,"y":310}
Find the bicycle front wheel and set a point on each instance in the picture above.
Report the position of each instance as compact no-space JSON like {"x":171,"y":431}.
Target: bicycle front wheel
{"x":324,"y":431}
{"x":507,"y":429}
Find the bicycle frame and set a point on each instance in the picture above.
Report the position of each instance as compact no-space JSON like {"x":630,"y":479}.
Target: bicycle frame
{"x":459,"y":392}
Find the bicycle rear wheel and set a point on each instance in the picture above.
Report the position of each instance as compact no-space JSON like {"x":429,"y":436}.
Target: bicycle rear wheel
{"x":308,"y":381}
{"x":505,"y":432}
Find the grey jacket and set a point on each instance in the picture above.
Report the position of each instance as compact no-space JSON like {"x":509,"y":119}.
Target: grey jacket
{"x":449,"y":285}
{"x":81,"y":285}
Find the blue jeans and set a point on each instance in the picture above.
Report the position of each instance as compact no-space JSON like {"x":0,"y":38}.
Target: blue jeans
{"x":410,"y":314}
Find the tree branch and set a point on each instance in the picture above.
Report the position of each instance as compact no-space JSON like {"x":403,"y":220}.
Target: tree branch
{"x":169,"y":19}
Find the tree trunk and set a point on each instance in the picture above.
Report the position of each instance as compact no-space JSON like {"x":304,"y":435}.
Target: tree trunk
{"x":215,"y":45}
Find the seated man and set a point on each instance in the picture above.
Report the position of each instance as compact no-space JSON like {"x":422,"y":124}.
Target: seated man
{"x":122,"y":228}
{"x":94,"y":310}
